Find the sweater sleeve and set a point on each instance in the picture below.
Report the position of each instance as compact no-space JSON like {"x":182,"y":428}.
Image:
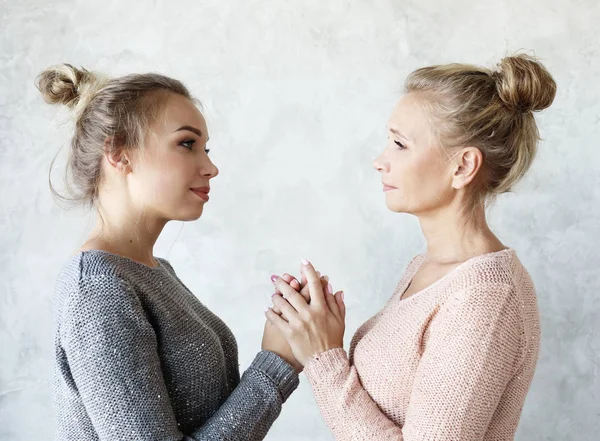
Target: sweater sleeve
{"x":473,"y":346}
{"x":111,"y":349}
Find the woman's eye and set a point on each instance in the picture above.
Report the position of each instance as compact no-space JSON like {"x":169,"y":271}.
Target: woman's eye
{"x":399,"y":144}
{"x":188,"y":144}
{"x":207,"y":151}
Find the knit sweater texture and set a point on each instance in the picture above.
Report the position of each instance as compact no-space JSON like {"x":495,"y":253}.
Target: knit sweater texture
{"x":452,"y":362}
{"x":139,"y":357}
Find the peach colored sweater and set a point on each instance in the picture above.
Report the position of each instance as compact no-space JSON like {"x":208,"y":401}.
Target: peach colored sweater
{"x":452,"y":362}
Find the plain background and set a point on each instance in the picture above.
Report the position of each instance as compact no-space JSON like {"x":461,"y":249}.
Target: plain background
{"x":297,"y":96}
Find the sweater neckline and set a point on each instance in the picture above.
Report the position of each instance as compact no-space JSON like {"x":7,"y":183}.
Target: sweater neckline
{"x":158,"y":267}
{"x":421,"y":258}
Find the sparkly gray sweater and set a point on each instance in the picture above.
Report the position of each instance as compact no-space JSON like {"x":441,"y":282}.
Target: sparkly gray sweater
{"x":139,"y":357}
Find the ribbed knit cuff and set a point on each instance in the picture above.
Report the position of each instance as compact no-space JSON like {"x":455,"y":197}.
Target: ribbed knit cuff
{"x":326,"y":365}
{"x":277,"y":369}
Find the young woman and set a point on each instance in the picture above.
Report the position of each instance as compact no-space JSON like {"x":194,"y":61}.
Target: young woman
{"x":452,"y":354}
{"x":137,"y":356}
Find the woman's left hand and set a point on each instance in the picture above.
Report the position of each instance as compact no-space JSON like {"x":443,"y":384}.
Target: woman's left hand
{"x":313,"y":328}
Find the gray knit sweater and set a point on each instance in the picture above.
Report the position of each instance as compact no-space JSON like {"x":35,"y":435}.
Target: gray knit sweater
{"x":138,"y":357}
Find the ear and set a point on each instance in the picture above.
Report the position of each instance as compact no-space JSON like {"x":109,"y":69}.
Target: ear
{"x":466,"y":164}
{"x":116,"y":156}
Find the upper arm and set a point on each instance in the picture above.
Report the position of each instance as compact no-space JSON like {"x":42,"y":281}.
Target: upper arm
{"x":111,"y":350}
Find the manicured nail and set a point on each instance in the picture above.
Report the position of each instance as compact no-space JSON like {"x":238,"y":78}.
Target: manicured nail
{"x":273,"y":278}
{"x":342,"y":296}
{"x":305,"y":262}
{"x":330,"y":288}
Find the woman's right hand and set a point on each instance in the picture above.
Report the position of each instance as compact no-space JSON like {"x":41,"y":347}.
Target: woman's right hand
{"x":273,"y":340}
{"x":301,"y":287}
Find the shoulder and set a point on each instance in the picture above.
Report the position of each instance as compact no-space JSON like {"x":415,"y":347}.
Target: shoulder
{"x":92,"y":282}
{"x":501,"y":269}
{"x":494,"y":284}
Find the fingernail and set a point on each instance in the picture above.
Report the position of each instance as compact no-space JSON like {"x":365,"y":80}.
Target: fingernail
{"x":330,"y":288}
{"x":342,"y":296}
{"x":273,"y":278}
{"x":326,"y":278}
{"x":305,"y":262}
{"x":267,"y":308}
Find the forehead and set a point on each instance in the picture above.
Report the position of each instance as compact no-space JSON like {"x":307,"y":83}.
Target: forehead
{"x":179,"y":111}
{"x":410,"y":117}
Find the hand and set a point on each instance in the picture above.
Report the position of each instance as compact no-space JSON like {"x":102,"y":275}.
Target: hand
{"x":313,"y":328}
{"x":301,"y":287}
{"x":274,"y":341}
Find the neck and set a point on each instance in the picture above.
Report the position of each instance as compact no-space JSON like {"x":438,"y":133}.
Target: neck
{"x":454,"y":237}
{"x":126,"y":230}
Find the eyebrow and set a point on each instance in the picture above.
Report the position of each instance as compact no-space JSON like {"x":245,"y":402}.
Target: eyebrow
{"x":193,"y":130}
{"x":399,"y":133}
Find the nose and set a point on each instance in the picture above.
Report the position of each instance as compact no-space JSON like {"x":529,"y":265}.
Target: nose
{"x":208,"y":169}
{"x":381,"y":164}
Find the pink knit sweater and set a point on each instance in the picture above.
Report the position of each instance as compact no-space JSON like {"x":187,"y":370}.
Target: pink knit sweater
{"x":452,"y":362}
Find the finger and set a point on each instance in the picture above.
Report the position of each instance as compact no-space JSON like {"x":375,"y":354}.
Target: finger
{"x":295,"y":284}
{"x":288,"y":312}
{"x":303,"y":280}
{"x":305,"y":291}
{"x":291,"y":280}
{"x":275,"y":309}
{"x":314,"y":284}
{"x":339,"y":298}
{"x":324,"y":284}
{"x":277,"y":321}
{"x":288,"y":278}
{"x":292,"y":296}
{"x":331,"y":302}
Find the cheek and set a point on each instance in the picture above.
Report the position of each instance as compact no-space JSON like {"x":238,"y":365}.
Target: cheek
{"x":421,"y":182}
{"x":163,"y":178}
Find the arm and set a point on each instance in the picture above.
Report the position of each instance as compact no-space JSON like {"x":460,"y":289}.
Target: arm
{"x":473,"y":346}
{"x":112,"y":353}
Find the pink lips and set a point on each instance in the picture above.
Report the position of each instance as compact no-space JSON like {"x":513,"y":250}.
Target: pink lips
{"x":388,"y":187}
{"x":202,"y":192}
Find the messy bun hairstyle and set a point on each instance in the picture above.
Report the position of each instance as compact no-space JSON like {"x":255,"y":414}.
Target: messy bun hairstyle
{"x":110,"y":115}
{"x":491,"y":109}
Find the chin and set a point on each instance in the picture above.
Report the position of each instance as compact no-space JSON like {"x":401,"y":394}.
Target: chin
{"x":190,"y":215}
{"x":395,"y":206}
{"x":398,"y":207}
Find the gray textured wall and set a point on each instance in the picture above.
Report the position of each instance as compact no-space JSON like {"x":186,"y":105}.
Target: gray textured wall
{"x":297,"y":97}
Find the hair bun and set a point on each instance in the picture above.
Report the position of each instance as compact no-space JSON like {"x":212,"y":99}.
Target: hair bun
{"x":524,"y":84}
{"x":67,"y":85}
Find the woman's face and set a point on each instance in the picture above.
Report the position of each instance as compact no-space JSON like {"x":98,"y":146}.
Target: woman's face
{"x":171,"y":174}
{"x":415,"y":171}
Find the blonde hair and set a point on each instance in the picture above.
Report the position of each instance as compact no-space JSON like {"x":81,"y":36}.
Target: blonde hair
{"x":111,"y":115}
{"x":488,"y":109}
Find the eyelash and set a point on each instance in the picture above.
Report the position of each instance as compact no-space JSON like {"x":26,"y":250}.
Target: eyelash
{"x":400,"y":145}
{"x":192,"y":141}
